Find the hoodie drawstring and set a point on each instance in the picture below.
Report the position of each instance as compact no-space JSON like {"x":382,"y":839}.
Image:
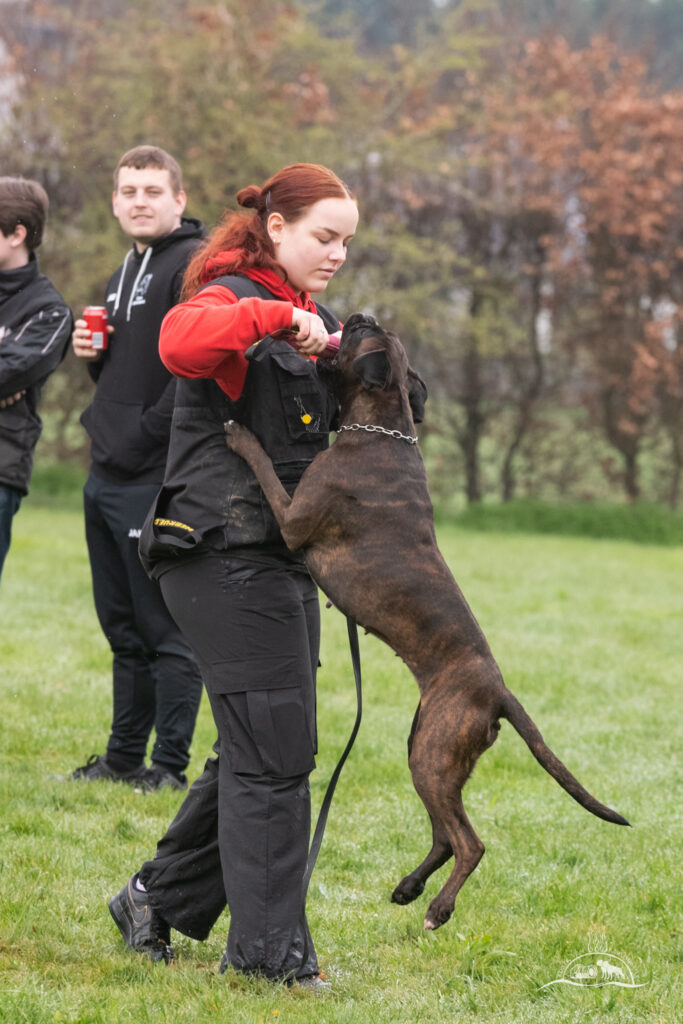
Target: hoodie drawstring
{"x":123,"y":274}
{"x":143,"y":267}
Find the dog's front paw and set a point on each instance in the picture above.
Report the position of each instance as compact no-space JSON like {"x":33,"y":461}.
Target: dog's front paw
{"x":238,"y":438}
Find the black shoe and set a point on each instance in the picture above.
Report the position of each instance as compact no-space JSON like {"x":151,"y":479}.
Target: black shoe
{"x":142,"y":928}
{"x":97,"y":767}
{"x":159,"y":776}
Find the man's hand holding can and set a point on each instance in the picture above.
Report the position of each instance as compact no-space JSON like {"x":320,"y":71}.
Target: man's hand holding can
{"x":91,"y":333}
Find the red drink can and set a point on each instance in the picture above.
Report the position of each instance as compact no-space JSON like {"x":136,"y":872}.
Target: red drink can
{"x":96,"y":319}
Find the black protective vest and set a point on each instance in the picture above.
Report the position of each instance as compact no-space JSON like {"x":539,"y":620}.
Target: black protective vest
{"x":210,"y":499}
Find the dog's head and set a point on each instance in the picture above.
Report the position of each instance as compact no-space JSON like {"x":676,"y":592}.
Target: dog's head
{"x":374,"y":359}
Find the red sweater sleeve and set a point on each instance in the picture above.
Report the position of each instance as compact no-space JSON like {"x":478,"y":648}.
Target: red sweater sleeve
{"x":208,"y":335}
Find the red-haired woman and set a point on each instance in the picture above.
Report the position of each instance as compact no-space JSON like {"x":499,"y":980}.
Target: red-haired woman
{"x":244,"y":602}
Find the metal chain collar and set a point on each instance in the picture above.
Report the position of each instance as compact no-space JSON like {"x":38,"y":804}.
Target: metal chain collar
{"x":378,"y":430}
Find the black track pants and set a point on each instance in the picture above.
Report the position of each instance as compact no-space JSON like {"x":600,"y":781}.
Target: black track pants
{"x":242,"y":832}
{"x":156,"y":680}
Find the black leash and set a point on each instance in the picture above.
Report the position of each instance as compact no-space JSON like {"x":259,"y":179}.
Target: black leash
{"x":331,"y":786}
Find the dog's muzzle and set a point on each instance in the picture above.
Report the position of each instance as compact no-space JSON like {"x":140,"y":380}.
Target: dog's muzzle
{"x":357,"y":320}
{"x":357,"y":326}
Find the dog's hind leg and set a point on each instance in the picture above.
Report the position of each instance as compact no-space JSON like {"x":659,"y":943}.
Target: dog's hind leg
{"x":412,"y":885}
{"x":446,"y":743}
{"x":469,"y":850}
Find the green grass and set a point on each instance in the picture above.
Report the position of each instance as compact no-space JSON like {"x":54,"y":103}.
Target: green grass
{"x":641,"y":522}
{"x":588,"y":634}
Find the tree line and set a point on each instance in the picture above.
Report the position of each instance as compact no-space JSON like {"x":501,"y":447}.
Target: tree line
{"x":520,"y":192}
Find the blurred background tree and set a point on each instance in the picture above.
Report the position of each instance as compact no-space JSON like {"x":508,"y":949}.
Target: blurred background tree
{"x":518,"y":167}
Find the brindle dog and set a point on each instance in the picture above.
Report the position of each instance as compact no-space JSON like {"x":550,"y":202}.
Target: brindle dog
{"x":363,"y":516}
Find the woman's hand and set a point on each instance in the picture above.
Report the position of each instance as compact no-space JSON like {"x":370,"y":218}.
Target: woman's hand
{"x":311,"y":335}
{"x":11,"y":399}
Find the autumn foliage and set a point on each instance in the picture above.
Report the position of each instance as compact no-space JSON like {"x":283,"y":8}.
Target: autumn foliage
{"x":604,"y":157}
{"x":521,"y":200}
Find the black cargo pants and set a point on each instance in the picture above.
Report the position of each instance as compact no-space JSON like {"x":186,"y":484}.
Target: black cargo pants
{"x":242,"y":832}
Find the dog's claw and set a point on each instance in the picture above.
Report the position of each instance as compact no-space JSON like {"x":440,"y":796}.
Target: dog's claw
{"x":436,"y":917}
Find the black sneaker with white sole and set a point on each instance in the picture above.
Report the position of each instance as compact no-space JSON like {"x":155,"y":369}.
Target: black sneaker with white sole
{"x":98,"y":768}
{"x":142,"y":928}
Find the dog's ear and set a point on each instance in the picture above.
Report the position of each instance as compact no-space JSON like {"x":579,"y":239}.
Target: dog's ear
{"x":373,"y":368}
{"x":417,"y":395}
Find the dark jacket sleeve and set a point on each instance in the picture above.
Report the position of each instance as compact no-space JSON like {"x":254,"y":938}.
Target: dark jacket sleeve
{"x":30,"y":352}
{"x":156,"y":420}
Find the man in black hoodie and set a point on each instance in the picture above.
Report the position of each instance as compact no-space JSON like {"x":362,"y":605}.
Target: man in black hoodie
{"x":35,"y":326}
{"x":155,"y":677}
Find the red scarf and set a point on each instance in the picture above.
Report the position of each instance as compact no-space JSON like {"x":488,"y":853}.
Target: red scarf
{"x":262,"y":275}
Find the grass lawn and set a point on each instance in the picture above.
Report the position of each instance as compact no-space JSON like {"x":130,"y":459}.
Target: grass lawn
{"x":589,"y":635}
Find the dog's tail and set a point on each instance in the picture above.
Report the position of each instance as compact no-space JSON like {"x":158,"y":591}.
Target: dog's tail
{"x":520,"y":720}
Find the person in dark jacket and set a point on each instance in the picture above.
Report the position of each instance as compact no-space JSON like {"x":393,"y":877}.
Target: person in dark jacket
{"x":156,"y":680}
{"x":244,"y":601}
{"x":35,"y":327}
